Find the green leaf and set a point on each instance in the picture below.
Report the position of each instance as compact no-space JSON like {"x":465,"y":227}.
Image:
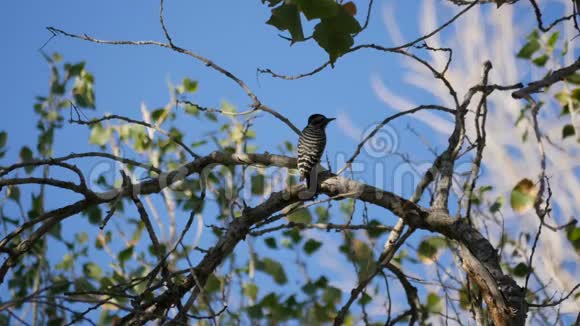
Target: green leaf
{"x":573,"y":235}
{"x":210,"y":116}
{"x":287,"y":17}
{"x":94,"y":213}
{"x":322,"y":213}
{"x":250,"y":290}
{"x":125,"y":255}
{"x":541,"y":60}
{"x":521,"y":270}
{"x":365,"y":299}
{"x":189,"y":85}
{"x":3,"y":138}
{"x":74,"y":70}
{"x":271,"y":243}
{"x":272,"y":268}
{"x":13,"y":193}
{"x":434,"y":303}
{"x":429,"y":248}
{"x":83,"y":285}
{"x":568,"y":131}
{"x":192,"y":110}
{"x":332,"y":295}
{"x":496,"y":206}
{"x":255,"y":311}
{"x":318,"y":8}
{"x":67,"y":262}
{"x":375,"y":233}
{"x":213,"y":284}
{"x":25,"y":154}
{"x":37,"y":206}
{"x":293,"y":234}
{"x":563,"y":97}
{"x":56,"y":57}
{"x":301,"y":215}
{"x":157,"y":114}
{"x":100,"y":135}
{"x":529,"y":49}
{"x":574,"y":79}
{"x":575,"y":94}
{"x":82,"y":237}
{"x":258,"y":182}
{"x":523,"y":195}
{"x":552,"y":40}
{"x":83,"y":91}
{"x":334,"y":34}
{"x":92,"y":270}
{"x":311,"y":246}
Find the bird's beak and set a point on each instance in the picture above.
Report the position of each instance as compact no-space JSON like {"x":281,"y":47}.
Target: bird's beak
{"x":330,"y":119}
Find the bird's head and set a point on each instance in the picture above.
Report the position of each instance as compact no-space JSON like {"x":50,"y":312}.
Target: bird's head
{"x":319,"y":121}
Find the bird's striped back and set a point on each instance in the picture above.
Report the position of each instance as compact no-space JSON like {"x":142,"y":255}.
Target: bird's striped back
{"x":310,"y":148}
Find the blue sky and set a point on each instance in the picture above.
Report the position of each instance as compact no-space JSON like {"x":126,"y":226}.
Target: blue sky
{"x":231,"y":33}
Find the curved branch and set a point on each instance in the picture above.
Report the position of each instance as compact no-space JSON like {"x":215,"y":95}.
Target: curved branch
{"x":138,"y":122}
{"x":485,"y":256}
{"x":390,"y":49}
{"x":50,"y":161}
{"x":256,"y":104}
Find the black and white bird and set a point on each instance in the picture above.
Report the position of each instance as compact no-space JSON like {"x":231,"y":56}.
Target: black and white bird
{"x":311,"y":147}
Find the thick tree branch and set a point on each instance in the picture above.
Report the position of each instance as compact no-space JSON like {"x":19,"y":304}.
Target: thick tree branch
{"x":485,"y":257}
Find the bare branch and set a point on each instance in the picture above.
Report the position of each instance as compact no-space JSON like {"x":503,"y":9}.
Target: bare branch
{"x":138,"y":122}
{"x":547,"y":81}
{"x":538,"y":14}
{"x":382,"y":124}
{"x":322,"y":226}
{"x":256,"y":104}
{"x":557,"y":302}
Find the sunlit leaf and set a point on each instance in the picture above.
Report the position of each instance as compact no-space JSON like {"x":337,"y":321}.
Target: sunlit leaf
{"x":250,"y":290}
{"x":552,"y":40}
{"x":574,"y":78}
{"x":434,"y":303}
{"x":529,"y":49}
{"x":301,"y":215}
{"x":189,"y":85}
{"x":322,"y":214}
{"x":523,"y":195}
{"x":100,"y":135}
{"x":92,"y":270}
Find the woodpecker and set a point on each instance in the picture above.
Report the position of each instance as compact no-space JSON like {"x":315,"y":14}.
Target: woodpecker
{"x":311,"y":146}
